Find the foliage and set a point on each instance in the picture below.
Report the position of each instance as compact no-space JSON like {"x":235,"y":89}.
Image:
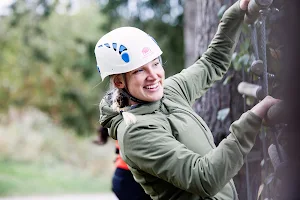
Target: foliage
{"x":243,"y":56}
{"x":48,"y":61}
{"x":47,"y":58}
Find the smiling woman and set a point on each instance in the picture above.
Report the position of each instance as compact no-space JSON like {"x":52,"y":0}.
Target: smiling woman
{"x":140,"y":76}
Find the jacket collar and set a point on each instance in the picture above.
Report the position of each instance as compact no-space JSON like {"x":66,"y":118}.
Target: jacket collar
{"x":111,"y":119}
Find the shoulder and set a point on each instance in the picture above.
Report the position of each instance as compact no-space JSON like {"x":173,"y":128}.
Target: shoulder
{"x":149,"y":123}
{"x":147,"y":130}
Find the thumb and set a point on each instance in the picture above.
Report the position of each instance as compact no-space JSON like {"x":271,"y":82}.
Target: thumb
{"x":244,"y":4}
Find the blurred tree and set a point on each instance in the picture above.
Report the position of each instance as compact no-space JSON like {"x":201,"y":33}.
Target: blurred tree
{"x":47,"y":60}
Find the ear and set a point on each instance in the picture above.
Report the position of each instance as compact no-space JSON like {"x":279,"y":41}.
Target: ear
{"x":119,"y":81}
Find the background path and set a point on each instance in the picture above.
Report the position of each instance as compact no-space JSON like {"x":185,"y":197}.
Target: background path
{"x":66,"y":197}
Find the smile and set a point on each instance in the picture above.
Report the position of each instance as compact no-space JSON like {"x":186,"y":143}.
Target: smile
{"x":154,"y":86}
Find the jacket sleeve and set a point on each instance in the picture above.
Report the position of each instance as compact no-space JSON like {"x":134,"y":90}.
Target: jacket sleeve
{"x":192,"y":82}
{"x":153,"y":149}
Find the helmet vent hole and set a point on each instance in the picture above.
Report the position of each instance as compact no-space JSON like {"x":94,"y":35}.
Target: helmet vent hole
{"x":107,"y":45}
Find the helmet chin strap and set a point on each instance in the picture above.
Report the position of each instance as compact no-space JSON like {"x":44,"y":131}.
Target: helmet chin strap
{"x":127,"y":94}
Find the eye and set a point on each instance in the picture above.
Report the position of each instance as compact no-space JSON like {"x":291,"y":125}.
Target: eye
{"x":138,"y":70}
{"x":156,"y":64}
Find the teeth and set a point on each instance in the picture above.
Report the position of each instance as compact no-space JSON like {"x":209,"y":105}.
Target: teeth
{"x":152,"y":86}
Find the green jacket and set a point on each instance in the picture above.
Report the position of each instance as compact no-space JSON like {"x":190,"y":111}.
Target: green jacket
{"x":170,"y":149}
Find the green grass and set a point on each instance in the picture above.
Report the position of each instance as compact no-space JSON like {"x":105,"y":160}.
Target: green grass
{"x":21,"y":178}
{"x":38,"y":156}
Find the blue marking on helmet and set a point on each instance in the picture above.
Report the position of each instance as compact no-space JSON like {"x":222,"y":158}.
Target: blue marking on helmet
{"x":125,"y":57}
{"x":98,"y":68}
{"x":114,"y":46}
{"x":122,"y":48}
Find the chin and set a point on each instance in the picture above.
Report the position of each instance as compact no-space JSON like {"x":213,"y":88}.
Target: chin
{"x":153,"y":97}
{"x":156,"y":98}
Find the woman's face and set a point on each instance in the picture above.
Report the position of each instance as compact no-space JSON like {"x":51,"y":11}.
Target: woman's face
{"x":146,"y":82}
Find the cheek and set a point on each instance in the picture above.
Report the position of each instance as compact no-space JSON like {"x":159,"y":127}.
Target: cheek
{"x":162,"y":73}
{"x":134,"y":83}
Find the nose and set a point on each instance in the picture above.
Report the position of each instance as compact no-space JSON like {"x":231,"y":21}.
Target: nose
{"x":152,"y":74}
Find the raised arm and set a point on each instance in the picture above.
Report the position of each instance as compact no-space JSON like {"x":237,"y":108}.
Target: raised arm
{"x":192,"y":82}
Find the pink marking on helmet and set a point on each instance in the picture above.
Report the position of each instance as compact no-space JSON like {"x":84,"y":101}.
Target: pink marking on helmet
{"x":146,"y":51}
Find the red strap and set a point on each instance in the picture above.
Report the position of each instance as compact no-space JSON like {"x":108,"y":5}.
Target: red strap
{"x":120,"y":163}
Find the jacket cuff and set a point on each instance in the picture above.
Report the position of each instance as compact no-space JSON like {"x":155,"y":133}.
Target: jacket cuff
{"x":245,"y":130}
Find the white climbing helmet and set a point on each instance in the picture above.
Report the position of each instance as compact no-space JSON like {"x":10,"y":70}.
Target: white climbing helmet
{"x":124,"y":49}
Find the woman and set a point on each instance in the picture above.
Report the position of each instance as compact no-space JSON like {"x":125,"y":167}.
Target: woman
{"x":167,"y":146}
{"x":123,"y":184}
